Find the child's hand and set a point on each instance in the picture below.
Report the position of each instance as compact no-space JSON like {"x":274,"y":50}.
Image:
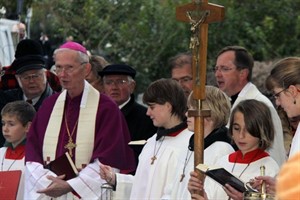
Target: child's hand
{"x":195,"y":186}
{"x":233,"y":193}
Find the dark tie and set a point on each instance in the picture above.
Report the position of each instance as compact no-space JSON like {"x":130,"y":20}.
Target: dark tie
{"x":29,"y":101}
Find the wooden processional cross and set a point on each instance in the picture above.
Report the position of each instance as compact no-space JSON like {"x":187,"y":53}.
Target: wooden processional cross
{"x":199,"y":14}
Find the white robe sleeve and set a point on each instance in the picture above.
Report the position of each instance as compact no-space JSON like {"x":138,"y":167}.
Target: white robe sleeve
{"x":35,"y":179}
{"x":87,"y":184}
{"x":123,"y":187}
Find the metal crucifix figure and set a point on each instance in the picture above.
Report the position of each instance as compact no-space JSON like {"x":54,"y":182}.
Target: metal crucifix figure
{"x":199,"y":14}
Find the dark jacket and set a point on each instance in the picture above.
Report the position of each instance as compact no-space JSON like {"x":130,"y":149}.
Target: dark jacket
{"x":139,"y":124}
{"x":219,"y":134}
{"x":17,"y":94}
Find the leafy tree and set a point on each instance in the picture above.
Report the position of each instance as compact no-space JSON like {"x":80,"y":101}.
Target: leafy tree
{"x":145,"y":33}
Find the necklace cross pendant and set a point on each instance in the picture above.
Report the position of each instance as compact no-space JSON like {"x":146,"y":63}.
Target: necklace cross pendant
{"x":70,"y":146}
{"x":153,"y":159}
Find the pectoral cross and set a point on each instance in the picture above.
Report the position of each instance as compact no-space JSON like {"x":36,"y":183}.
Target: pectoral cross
{"x":70,"y":146}
{"x":199,"y":14}
{"x":153,"y":159}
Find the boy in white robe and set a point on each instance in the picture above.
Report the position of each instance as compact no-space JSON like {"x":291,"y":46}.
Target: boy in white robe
{"x":160,"y":155}
{"x":16,"y":120}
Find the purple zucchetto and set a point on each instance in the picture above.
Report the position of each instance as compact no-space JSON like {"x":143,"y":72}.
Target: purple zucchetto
{"x":74,"y":46}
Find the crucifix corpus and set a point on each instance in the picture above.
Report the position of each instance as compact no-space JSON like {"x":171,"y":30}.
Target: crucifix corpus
{"x":199,"y":14}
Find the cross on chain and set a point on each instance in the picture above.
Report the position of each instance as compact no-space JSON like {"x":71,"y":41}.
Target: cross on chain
{"x":70,"y":146}
{"x":153,"y":159}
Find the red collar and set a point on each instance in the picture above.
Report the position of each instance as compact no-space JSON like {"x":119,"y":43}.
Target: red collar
{"x":15,"y":154}
{"x":176,"y":132}
{"x":237,"y":157}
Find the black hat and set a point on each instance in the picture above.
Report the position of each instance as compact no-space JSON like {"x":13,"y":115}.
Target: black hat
{"x":29,"y":62}
{"x":116,"y":69}
{"x":29,"y":55}
{"x":28,"y":47}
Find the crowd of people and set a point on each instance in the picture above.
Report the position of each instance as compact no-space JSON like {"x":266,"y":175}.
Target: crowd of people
{"x":87,"y":109}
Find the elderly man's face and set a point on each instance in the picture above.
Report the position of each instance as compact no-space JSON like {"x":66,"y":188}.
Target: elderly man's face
{"x":32,"y":82}
{"x":118,"y":87}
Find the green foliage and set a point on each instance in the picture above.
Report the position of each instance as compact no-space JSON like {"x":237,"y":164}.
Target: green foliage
{"x":269,"y":29}
{"x":145,"y":33}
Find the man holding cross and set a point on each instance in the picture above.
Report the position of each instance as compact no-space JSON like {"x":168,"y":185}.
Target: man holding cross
{"x":80,"y":121}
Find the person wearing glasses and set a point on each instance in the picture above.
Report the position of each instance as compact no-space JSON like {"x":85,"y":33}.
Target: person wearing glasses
{"x":30,"y":73}
{"x":233,"y":73}
{"x":79,"y":121}
{"x":31,"y":76}
{"x":119,"y":84}
{"x":24,"y":48}
{"x":181,"y":71}
{"x":284,"y":83}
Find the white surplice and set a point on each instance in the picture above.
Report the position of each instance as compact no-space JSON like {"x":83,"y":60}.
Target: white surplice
{"x":150,"y":180}
{"x":277,"y":151}
{"x":215,"y":191}
{"x":178,"y":190}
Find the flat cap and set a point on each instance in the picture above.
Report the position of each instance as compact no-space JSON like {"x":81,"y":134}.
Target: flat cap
{"x":118,"y":69}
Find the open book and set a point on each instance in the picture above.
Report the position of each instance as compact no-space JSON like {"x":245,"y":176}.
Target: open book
{"x":222,"y":176}
{"x":63,"y":165}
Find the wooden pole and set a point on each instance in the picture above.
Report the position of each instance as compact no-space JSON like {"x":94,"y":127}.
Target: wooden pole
{"x":199,"y":14}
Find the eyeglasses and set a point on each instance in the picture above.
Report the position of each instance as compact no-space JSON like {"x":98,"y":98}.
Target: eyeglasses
{"x":222,"y":69}
{"x":29,"y":77}
{"x":183,"y":80}
{"x":67,"y":69}
{"x":118,"y":82}
{"x":276,"y":95}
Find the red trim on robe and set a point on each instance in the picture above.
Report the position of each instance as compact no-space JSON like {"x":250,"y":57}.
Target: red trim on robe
{"x":237,"y":157}
{"x":15,"y":154}
{"x":176,"y":133}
